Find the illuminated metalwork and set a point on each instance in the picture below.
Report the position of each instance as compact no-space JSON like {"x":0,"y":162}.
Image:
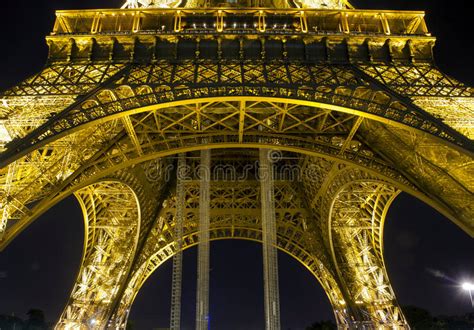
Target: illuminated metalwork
{"x":269,"y":239}
{"x":176,"y":280}
{"x":351,"y":99}
{"x":325,"y":4}
{"x":356,"y":213}
{"x":112,"y":225}
{"x":202,"y":295}
{"x":235,"y":213}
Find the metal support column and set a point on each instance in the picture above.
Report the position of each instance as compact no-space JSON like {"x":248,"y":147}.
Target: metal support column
{"x":270,"y":257}
{"x":175,"y":319}
{"x":202,"y":296}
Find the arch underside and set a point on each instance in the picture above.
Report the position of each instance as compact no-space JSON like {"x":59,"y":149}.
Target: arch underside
{"x":235,"y":214}
{"x":101,"y":148}
{"x":358,"y":288}
{"x":242,"y":233}
{"x":90,"y":122}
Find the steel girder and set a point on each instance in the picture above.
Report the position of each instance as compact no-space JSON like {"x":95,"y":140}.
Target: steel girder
{"x":203,"y":269}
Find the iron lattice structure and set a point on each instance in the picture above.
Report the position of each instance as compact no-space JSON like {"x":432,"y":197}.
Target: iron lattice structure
{"x":350,"y":101}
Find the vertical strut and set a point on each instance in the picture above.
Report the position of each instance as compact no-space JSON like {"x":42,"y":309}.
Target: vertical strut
{"x":270,"y":258}
{"x":175,"y":320}
{"x":202,"y":296}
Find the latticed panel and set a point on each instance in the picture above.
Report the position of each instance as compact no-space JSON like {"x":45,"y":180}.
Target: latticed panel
{"x":356,"y":212}
{"x":112,"y":222}
{"x":139,"y":86}
{"x":32,"y":102}
{"x":46,"y":171}
{"x":457,"y":112}
{"x":417,"y":80}
{"x":445,"y":98}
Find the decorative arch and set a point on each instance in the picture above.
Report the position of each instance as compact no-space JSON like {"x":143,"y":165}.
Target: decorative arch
{"x":236,"y":218}
{"x":113,"y":161}
{"x":156,"y":109}
{"x":314,"y":266}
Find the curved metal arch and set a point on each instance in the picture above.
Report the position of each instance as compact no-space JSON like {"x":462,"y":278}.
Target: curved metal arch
{"x":356,"y":97}
{"x":361,"y":99}
{"x":101,"y":168}
{"x":309,"y":261}
{"x":320,"y":144}
{"x":112,"y":217}
{"x":235,"y":213}
{"x":355,"y":210}
{"x":378,"y":209}
{"x":81,"y":180}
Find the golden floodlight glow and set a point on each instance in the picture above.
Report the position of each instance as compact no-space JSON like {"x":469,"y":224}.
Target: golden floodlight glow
{"x":310,"y":117}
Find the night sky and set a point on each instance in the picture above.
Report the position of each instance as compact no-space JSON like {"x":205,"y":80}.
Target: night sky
{"x":38,"y":269}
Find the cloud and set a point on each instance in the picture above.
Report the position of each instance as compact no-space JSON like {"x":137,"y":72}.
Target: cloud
{"x":439,"y":274}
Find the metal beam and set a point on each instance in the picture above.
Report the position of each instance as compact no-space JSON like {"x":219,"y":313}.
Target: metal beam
{"x":202,"y":295}
{"x":270,"y":256}
{"x":175,"y":319}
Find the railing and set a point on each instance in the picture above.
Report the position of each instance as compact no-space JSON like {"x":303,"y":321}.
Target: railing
{"x":240,"y":21}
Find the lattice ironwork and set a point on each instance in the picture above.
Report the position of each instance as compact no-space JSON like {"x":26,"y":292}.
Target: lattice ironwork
{"x":269,"y":239}
{"x":351,"y":99}
{"x":112,"y":227}
{"x":235,"y":213}
{"x":355,"y":207}
{"x":202,"y":295}
{"x":166,"y":84}
{"x":176,"y":280}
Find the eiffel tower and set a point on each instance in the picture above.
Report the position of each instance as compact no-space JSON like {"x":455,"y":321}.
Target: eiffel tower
{"x":294,"y":123}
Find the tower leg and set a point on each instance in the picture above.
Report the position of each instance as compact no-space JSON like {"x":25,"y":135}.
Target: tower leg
{"x":270,"y":257}
{"x":112,"y":221}
{"x":356,"y":215}
{"x":202,"y":296}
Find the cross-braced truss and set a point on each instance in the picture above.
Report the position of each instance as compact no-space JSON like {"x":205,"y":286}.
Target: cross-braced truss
{"x":351,"y":100}
{"x":356,"y":208}
{"x":112,"y":227}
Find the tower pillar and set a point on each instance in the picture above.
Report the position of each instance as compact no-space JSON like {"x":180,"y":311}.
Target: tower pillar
{"x":202,"y":295}
{"x":269,"y":241}
{"x":176,"y":281}
{"x":112,"y":221}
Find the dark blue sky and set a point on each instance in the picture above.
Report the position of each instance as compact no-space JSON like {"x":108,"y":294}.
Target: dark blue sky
{"x":39,"y":267}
